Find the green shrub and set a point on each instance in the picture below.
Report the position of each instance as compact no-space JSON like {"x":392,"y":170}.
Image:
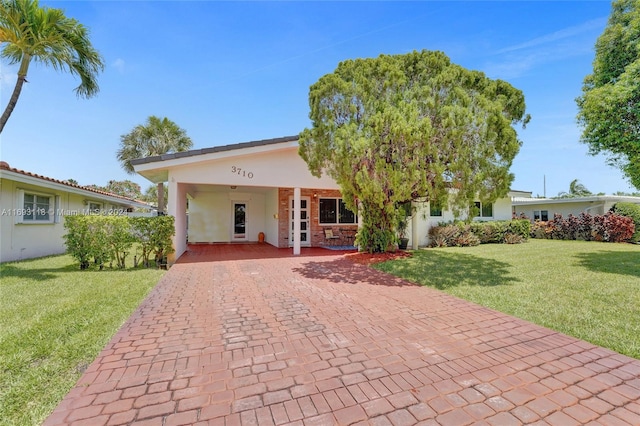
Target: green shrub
{"x":119,"y":237}
{"x":630,"y":210}
{"x":78,"y":239}
{"x":610,"y":227}
{"x":461,"y":235}
{"x":520,"y":227}
{"x":108,"y":238}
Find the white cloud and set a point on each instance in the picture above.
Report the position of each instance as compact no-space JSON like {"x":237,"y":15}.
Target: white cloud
{"x":119,"y":65}
{"x":518,"y":59}
{"x":589,"y":26}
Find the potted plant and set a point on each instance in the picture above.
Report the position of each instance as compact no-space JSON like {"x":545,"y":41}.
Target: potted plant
{"x":403,"y":241}
{"x":402,"y":223}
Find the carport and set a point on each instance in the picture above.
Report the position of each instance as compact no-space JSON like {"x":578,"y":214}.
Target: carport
{"x":240,"y":192}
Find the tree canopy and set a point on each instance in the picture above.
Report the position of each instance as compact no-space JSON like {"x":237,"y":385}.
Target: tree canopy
{"x":29,"y":32}
{"x":609,"y":108}
{"x":576,"y":189}
{"x":401,"y":127}
{"x":156,"y":137}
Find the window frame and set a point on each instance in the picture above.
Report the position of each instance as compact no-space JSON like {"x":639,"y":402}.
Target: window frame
{"x":52,"y":208}
{"x":339,"y":203}
{"x":481,"y":206}
{"x":434,"y":207}
{"x":91,"y":207}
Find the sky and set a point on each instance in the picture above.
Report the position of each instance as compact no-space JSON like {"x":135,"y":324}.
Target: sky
{"x":230,"y":72}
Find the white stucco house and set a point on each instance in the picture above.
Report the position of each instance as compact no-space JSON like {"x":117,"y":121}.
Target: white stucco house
{"x":544,"y":208}
{"x":33,"y":207}
{"x":263,"y":189}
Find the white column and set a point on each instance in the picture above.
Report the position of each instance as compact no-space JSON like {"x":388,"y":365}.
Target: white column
{"x":414,"y":225}
{"x":177,"y":207}
{"x":296,"y":221}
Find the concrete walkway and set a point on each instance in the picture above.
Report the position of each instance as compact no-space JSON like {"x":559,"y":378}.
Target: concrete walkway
{"x":249,"y":335}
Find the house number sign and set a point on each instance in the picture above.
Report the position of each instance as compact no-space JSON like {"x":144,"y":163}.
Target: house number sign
{"x":240,"y":172}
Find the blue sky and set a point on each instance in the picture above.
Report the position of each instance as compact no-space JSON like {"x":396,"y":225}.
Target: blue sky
{"x":230,"y":72}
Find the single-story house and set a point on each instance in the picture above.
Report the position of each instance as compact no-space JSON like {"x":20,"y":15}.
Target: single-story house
{"x":263,"y":190}
{"x":544,"y":208}
{"x":33,"y":208}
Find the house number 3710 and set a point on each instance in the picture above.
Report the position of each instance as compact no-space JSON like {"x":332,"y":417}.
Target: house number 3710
{"x":240,"y":172}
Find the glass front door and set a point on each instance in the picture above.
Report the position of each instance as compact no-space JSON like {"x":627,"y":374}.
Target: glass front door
{"x":305,"y":239}
{"x":239,"y":221}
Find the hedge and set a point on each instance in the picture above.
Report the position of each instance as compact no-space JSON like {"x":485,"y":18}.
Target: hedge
{"x":610,"y":227}
{"x":630,"y":210}
{"x":104,"y":239}
{"x":465,"y":235}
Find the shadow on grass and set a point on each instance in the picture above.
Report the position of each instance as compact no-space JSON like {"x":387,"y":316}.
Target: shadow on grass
{"x":622,"y":262}
{"x":24,"y":269}
{"x":442,"y":269}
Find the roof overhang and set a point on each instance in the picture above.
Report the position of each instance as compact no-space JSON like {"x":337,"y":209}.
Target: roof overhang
{"x":593,"y":199}
{"x":54,"y":186}
{"x":156,"y":169}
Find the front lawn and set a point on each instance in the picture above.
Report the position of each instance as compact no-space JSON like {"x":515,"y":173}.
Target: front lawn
{"x":54,"y":320}
{"x":588,"y":290}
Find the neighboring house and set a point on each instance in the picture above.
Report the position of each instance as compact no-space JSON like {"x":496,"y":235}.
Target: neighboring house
{"x":263,"y":189}
{"x":544,"y":208}
{"x":33,"y":207}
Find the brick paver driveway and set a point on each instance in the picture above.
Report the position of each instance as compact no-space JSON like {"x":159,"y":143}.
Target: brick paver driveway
{"x":243,"y":335}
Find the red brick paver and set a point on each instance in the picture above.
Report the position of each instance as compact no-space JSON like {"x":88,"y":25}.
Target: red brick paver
{"x":248,"y":334}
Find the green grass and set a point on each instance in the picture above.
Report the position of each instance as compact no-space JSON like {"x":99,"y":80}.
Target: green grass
{"x":588,"y":290}
{"x":54,"y":320}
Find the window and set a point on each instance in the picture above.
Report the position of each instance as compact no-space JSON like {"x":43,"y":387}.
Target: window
{"x":541,"y":215}
{"x":434,"y":209}
{"x":483,"y":209}
{"x":333,"y":211}
{"x":94,"y":208}
{"x":36,"y":208}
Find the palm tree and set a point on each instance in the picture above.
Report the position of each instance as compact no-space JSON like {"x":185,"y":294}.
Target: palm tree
{"x":576,"y":189}
{"x":29,"y":32}
{"x":156,"y":137}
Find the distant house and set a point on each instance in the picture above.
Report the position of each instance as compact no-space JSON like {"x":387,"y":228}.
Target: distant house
{"x":544,"y":208}
{"x":263,"y":189}
{"x":33,"y":207}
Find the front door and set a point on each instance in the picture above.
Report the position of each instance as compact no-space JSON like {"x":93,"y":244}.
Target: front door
{"x":305,"y":240}
{"x":239,"y":221}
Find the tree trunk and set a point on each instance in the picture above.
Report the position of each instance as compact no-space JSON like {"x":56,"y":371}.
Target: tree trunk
{"x":22,"y":78}
{"x":160,"y":199}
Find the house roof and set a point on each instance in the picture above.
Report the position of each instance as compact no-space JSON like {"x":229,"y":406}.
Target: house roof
{"x":212,"y":150}
{"x":523,"y":201}
{"x":27,"y":177}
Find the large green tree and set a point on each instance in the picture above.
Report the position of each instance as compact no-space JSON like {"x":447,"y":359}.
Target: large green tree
{"x":609,"y":108}
{"x":402,"y":127}
{"x":125,"y":188}
{"x":156,"y":137}
{"x":29,"y":33}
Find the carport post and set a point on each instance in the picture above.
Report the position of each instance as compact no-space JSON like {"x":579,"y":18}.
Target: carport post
{"x":296,"y":221}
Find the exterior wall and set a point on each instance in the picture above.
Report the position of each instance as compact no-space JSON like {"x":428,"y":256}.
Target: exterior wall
{"x":316,"y":232}
{"x":502,"y":209}
{"x":28,"y":240}
{"x":272,"y":220}
{"x":268,"y":169}
{"x":210,"y":216}
{"x":565,"y":209}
